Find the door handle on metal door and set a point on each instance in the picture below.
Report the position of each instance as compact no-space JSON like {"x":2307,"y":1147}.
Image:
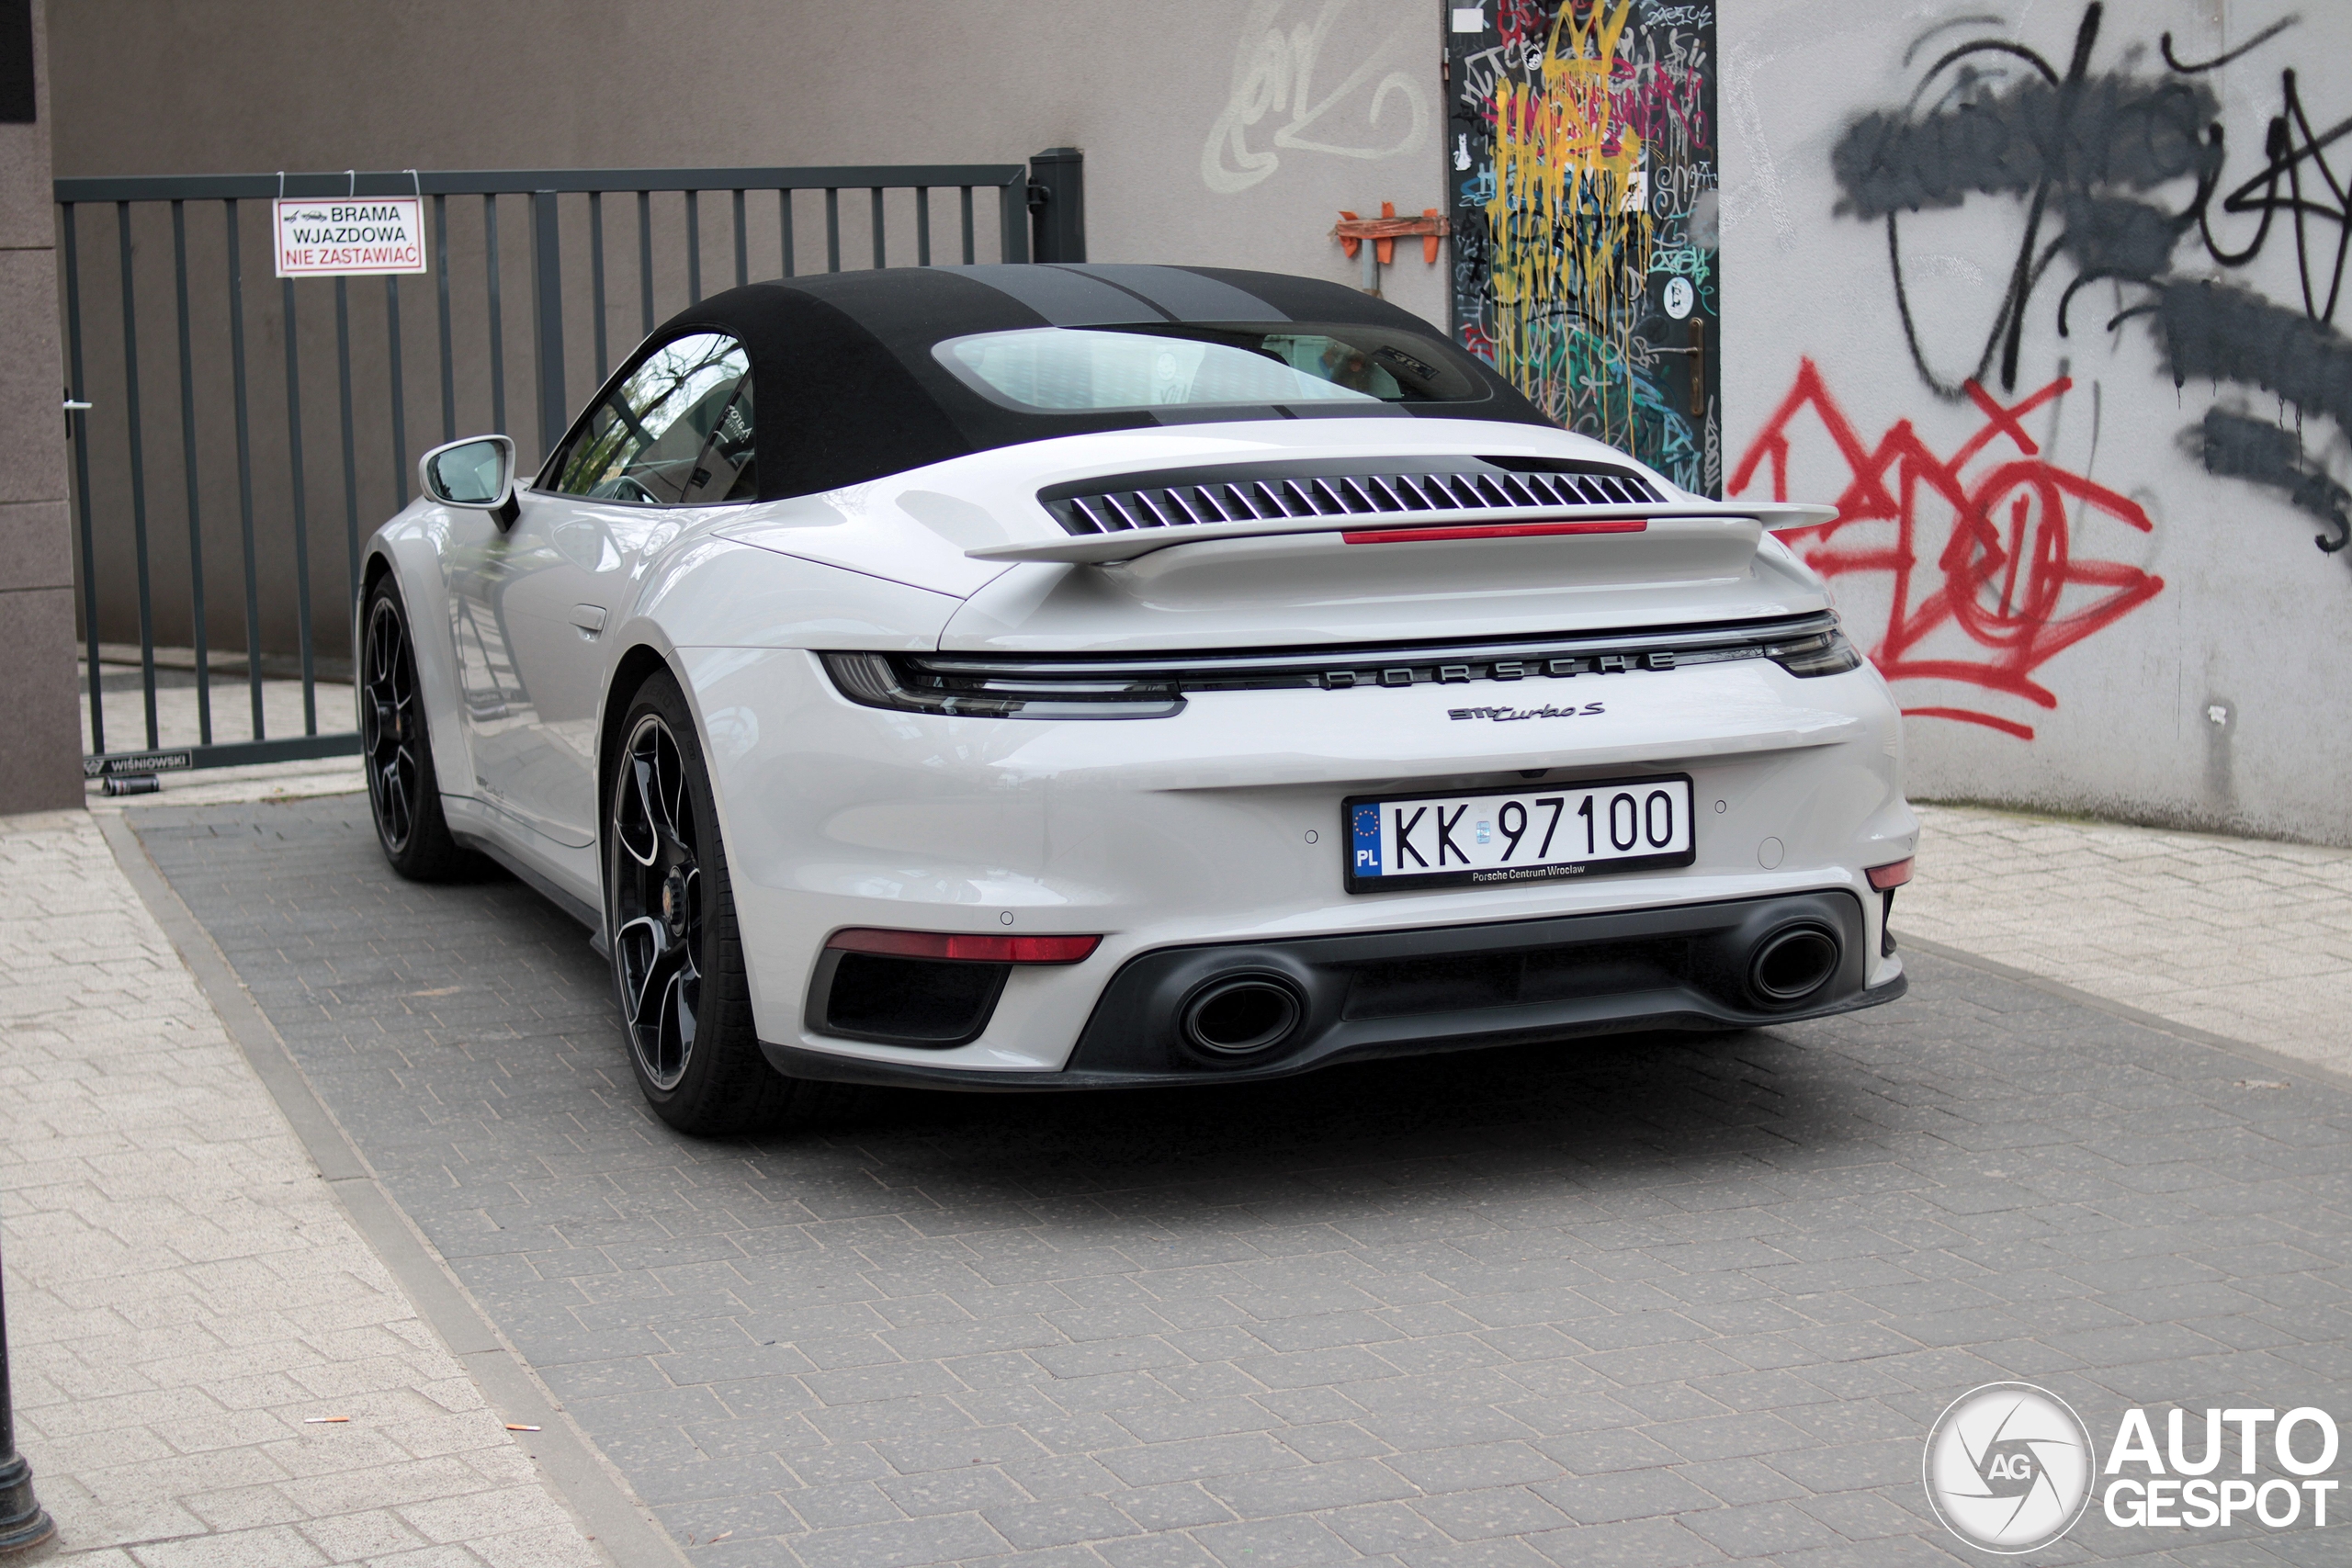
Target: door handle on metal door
{"x":588,"y":618}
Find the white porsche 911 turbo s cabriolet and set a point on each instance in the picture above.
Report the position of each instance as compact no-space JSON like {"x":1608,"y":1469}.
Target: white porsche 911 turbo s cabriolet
{"x":1038,"y":677}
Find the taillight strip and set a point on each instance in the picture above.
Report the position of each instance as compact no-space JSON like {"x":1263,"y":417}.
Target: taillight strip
{"x":1491,"y":531}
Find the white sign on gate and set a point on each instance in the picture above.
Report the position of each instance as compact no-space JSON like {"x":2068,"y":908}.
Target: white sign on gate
{"x":343,"y":236}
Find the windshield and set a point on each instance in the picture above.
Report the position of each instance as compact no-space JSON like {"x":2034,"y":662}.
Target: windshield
{"x":1109,"y":368}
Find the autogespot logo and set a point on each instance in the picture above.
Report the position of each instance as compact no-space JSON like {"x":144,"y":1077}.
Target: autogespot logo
{"x":2008,"y":1467}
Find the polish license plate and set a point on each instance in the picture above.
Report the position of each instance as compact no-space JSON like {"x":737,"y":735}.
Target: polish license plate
{"x":1519,"y":836}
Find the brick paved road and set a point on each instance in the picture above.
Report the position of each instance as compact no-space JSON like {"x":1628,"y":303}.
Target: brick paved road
{"x":1649,"y":1303}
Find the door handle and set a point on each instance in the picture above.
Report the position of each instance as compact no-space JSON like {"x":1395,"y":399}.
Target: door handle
{"x":588,"y":618}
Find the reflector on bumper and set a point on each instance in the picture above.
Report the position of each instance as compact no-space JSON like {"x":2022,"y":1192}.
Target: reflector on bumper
{"x":963,"y":948}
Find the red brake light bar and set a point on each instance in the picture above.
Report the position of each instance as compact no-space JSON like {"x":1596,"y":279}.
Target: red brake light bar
{"x":966,"y":949}
{"x":1883,"y":877}
{"x":1491,"y":531}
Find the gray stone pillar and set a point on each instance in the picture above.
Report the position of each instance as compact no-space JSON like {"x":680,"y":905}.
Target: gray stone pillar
{"x":40,"y":735}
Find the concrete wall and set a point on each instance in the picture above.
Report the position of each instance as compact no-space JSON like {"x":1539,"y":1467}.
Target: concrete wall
{"x":2084,"y":534}
{"x":2083,"y":553}
{"x":40,"y":741}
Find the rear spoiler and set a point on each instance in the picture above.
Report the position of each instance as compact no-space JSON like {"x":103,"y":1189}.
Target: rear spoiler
{"x":1127,"y":543}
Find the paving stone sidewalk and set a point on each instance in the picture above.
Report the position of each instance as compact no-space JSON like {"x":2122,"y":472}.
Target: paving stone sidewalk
{"x":2242,"y":938}
{"x":185,"y":1295}
{"x":1650,"y":1302}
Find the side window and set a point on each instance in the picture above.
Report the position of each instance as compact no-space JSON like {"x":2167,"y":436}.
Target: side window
{"x":676,"y":433}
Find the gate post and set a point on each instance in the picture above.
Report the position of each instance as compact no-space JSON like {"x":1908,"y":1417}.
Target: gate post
{"x":547,"y":320}
{"x":1058,"y":204}
{"x":40,"y":734}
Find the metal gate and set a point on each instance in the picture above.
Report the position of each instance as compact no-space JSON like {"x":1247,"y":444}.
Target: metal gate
{"x":192,"y":469}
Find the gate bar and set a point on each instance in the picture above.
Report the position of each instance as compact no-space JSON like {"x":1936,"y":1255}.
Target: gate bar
{"x":742,"y":245}
{"x":497,"y":314}
{"x":546,"y":307}
{"x":138,"y":472}
{"x":400,"y":397}
{"x":245,"y":462}
{"x":645,"y":256}
{"x":188,"y":463}
{"x":448,"y":364}
{"x":301,"y":508}
{"x":78,"y":424}
{"x":1012,"y":178}
{"x":596,"y":277}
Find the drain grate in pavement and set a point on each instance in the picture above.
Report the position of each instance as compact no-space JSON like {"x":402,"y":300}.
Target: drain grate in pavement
{"x":1653,"y":1301}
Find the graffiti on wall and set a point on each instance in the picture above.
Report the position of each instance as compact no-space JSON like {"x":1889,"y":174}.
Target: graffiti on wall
{"x":2073,"y":157}
{"x":2120,"y":203}
{"x":1983,"y":566}
{"x":1301,"y":89}
{"x":1581,"y":159}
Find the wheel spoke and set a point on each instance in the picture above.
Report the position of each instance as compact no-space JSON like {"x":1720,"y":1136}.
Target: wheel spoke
{"x":677,"y":1035}
{"x":649,"y":960}
{"x":394,"y":802}
{"x":669,"y":785}
{"x":633,"y":819}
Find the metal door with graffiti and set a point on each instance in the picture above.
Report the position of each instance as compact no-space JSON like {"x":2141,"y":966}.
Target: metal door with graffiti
{"x":1580,"y":159}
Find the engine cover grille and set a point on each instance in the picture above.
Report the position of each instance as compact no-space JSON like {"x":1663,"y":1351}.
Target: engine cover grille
{"x":1258,"y":492}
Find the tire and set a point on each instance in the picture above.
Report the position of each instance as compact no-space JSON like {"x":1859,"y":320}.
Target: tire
{"x":404,"y":790}
{"x":677,"y":956}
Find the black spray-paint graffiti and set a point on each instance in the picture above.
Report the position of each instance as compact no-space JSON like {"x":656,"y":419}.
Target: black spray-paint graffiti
{"x":2084,"y":151}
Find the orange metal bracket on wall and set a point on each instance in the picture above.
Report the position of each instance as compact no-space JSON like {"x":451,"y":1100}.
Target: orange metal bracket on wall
{"x":1383,"y":233}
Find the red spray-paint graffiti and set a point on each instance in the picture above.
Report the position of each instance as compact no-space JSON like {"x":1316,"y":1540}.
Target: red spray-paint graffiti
{"x":2007,"y":577}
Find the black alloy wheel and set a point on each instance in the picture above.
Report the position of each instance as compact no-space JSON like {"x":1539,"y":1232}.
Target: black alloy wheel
{"x":403,"y":791}
{"x":677,"y":957}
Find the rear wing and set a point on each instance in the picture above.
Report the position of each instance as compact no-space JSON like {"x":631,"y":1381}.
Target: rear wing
{"x":1128,"y":544}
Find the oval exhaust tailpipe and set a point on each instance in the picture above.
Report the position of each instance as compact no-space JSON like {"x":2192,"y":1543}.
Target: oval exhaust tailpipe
{"x":1792,"y":962}
{"x":1241,"y":1014}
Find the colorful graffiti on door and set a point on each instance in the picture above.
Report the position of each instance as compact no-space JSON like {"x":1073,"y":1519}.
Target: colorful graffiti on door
{"x":1581,"y":161}
{"x":1982,"y":565}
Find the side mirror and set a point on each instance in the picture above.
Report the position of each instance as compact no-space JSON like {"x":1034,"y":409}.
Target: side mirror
{"x":476,"y":472}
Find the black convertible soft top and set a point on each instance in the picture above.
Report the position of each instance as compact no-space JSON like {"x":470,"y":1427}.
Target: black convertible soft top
{"x":848,"y":388}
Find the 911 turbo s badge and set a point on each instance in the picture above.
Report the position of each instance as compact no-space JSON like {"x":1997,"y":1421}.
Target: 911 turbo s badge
{"x":1506,"y":716}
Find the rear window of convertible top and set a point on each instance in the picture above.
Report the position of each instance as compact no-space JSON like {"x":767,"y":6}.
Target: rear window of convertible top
{"x":1056,"y":369}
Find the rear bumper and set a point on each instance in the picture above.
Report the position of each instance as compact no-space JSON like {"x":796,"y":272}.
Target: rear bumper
{"x":1363,"y":996}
